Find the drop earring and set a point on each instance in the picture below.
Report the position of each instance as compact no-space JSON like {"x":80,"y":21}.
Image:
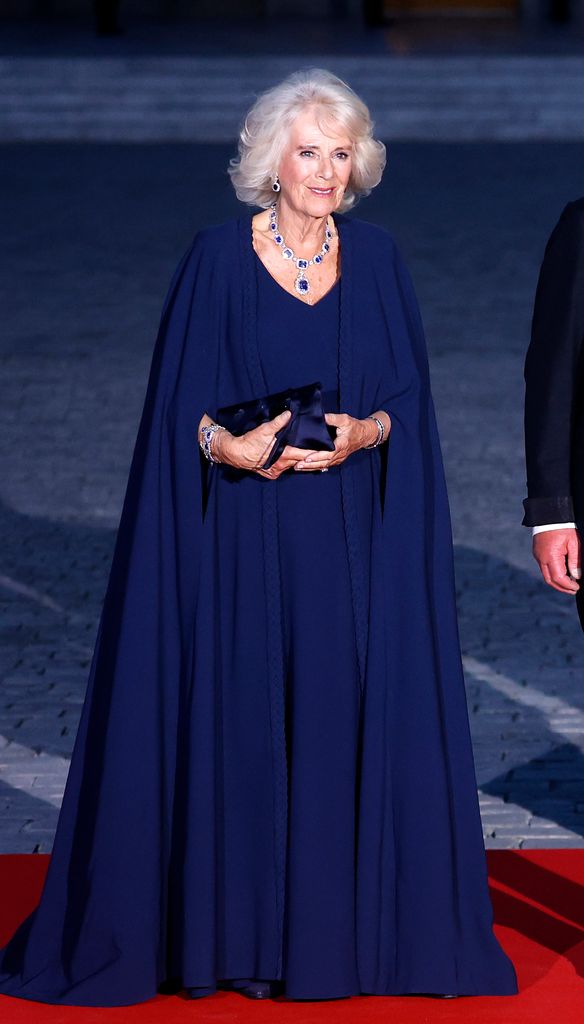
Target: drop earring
{"x":276,"y":184}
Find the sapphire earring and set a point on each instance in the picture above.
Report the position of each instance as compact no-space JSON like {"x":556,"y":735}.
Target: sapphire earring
{"x":276,"y":184}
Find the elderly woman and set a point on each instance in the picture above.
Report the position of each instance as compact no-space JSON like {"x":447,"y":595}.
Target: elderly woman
{"x":272,"y":788}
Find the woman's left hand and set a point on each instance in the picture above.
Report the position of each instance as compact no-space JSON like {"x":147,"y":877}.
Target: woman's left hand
{"x":352,"y":434}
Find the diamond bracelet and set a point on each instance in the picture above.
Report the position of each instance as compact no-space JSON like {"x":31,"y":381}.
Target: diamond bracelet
{"x":380,"y":432}
{"x":206,"y":435}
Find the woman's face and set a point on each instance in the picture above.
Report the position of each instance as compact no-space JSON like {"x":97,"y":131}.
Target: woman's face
{"x":314,"y":168}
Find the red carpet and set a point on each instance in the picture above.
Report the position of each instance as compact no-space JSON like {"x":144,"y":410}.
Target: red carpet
{"x":538,"y":897}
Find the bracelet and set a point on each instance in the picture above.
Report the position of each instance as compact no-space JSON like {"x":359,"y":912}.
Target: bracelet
{"x":380,"y":432}
{"x":206,"y":435}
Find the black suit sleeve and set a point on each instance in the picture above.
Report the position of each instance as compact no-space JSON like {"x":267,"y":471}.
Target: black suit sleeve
{"x":551,"y":372}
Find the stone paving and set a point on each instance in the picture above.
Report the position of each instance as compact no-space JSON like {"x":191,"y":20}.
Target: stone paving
{"x":92,"y":234}
{"x":203,"y":98}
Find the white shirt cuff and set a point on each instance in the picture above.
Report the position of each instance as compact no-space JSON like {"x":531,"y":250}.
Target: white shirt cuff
{"x":553,"y":526}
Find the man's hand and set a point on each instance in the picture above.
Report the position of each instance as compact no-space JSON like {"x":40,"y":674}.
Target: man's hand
{"x":553,"y":550}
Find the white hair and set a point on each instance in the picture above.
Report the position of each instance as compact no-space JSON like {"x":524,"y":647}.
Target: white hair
{"x":266,"y":128}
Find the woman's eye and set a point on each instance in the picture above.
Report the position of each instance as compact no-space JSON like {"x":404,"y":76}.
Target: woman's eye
{"x":311,"y":151}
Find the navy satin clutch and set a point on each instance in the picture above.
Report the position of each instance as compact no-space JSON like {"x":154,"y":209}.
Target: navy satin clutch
{"x":306,"y":428}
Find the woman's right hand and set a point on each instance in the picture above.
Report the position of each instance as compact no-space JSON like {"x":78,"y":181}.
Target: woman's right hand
{"x":250,"y":450}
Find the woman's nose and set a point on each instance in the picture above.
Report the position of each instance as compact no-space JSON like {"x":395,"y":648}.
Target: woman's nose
{"x":325,"y":170}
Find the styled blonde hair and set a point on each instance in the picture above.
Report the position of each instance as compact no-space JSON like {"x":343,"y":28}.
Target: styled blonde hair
{"x":266,"y":128}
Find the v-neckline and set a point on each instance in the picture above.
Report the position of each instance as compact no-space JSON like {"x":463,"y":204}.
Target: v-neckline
{"x":310,"y":305}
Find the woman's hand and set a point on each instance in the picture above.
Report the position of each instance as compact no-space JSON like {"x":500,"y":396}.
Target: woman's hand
{"x":352,"y":434}
{"x":250,"y":450}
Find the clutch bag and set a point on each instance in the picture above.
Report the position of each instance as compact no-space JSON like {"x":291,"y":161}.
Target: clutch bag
{"x":306,"y":427}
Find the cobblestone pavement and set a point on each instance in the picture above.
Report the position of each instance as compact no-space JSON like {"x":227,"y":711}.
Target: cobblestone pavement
{"x":202,"y":99}
{"x":92,"y":235}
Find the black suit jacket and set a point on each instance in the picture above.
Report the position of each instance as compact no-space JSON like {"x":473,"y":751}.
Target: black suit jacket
{"x":554,"y":382}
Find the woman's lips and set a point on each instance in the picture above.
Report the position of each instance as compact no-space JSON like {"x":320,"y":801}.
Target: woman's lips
{"x":322,"y":191}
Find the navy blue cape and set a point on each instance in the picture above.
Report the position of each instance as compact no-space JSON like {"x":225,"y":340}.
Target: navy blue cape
{"x":134,"y":894}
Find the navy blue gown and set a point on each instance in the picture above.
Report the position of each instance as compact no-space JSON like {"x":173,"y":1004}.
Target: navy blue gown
{"x":273,"y":774}
{"x":298,"y":343}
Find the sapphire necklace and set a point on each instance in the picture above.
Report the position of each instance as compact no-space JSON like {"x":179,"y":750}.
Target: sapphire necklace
{"x":301,"y":284}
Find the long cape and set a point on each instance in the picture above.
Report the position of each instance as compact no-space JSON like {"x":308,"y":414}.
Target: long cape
{"x":107,"y":930}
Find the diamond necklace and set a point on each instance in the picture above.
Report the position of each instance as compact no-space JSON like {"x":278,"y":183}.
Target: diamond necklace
{"x":301,"y":284}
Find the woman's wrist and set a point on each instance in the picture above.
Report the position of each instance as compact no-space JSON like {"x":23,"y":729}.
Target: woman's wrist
{"x":218,"y":445}
{"x":371,"y":429}
{"x":386,"y":420}
{"x":223,"y":447}
{"x":370,"y":432}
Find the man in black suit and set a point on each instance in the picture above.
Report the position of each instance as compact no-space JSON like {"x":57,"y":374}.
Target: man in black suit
{"x":554,"y":408}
